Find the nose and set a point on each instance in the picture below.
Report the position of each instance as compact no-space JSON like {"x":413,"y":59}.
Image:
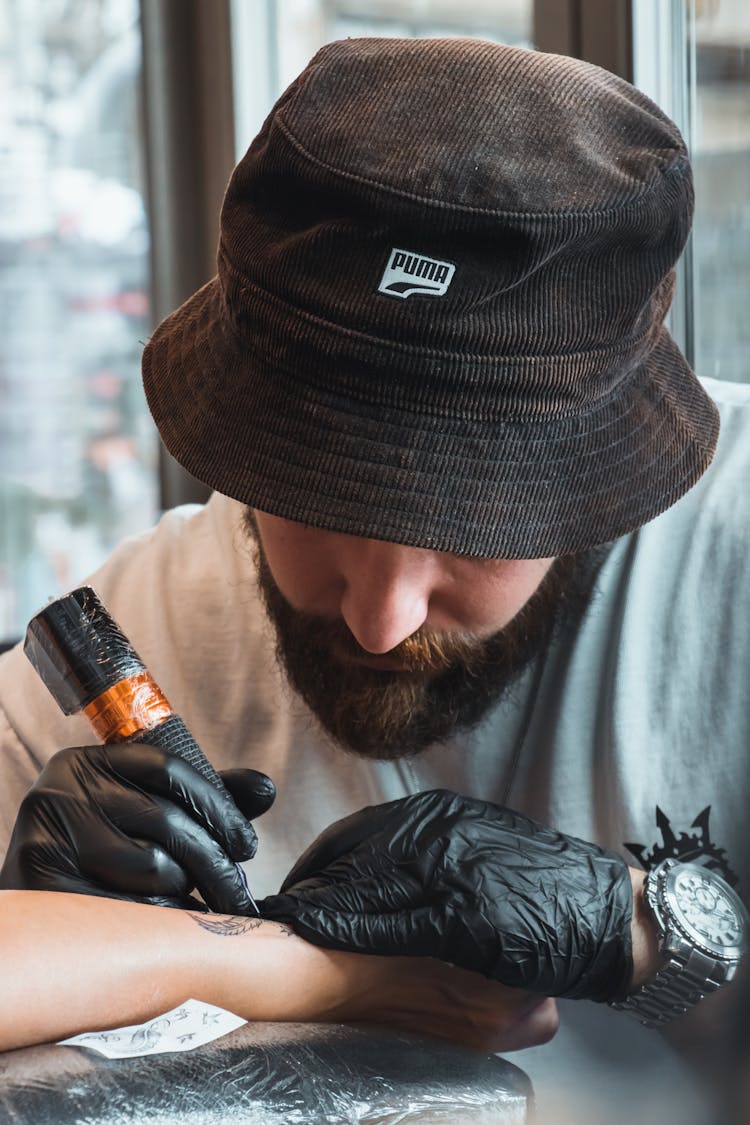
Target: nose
{"x":387,"y":591}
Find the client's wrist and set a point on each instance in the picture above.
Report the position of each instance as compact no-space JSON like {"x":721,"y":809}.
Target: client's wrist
{"x":273,"y":974}
{"x":645,"y":934}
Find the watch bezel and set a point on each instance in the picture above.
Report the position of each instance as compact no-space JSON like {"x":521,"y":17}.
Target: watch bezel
{"x":668,"y":874}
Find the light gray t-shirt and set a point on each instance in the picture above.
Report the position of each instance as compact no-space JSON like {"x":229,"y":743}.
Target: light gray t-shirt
{"x":633,"y":731}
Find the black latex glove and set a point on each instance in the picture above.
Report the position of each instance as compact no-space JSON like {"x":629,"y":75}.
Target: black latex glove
{"x":441,"y":875}
{"x":132,"y":821}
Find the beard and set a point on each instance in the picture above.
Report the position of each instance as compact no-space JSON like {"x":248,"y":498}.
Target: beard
{"x":448,"y":683}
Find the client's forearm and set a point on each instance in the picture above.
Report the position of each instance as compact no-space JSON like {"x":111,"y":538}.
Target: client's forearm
{"x":72,"y":963}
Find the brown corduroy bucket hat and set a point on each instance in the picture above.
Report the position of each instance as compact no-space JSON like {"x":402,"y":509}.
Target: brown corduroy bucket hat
{"x":443,"y":269}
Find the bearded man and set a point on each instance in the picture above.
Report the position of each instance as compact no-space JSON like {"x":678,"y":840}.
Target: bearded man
{"x":466,"y":581}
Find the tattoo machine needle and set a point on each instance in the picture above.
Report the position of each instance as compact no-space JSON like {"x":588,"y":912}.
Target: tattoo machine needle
{"x":88,"y":665}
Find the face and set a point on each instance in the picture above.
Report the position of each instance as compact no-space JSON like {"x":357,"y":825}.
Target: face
{"x":395,"y":647}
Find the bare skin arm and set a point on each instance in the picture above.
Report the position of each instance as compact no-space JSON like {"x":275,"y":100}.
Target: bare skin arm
{"x":646,"y":957}
{"x":73,"y":963}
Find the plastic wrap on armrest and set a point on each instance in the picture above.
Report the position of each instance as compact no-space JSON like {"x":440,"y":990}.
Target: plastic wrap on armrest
{"x":269,"y":1074}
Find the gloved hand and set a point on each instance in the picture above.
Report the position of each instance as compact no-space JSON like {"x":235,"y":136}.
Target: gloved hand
{"x":131,"y":821}
{"x":446,"y":876}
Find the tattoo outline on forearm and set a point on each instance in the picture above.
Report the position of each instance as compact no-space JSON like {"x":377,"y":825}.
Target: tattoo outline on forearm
{"x":225,"y":925}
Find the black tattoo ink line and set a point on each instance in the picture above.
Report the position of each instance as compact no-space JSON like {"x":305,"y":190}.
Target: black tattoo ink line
{"x":225,"y":927}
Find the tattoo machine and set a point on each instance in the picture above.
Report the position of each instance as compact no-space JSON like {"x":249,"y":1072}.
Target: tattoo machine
{"x":88,"y":665}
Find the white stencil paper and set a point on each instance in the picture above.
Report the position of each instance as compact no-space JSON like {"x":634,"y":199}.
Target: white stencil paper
{"x":185,"y":1027}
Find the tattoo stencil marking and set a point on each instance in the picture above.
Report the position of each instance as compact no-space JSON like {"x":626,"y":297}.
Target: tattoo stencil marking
{"x":225,"y":926}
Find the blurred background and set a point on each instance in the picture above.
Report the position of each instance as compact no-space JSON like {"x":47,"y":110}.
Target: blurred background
{"x":120,"y":123}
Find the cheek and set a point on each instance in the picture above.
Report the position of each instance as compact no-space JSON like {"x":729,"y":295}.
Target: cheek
{"x":523,"y":577}
{"x":494,"y":594}
{"x":300,"y":562}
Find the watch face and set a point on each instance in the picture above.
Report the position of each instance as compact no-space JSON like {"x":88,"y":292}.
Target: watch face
{"x":708,"y":909}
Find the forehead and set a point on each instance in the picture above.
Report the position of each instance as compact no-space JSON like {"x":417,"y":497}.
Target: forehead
{"x":305,"y":540}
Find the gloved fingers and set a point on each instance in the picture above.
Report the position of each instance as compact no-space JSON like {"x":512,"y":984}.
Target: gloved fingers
{"x":354,"y":897}
{"x":183,"y":902}
{"x":398,"y":933}
{"x":252,"y":791}
{"x":406,"y":827}
{"x":338,"y":839}
{"x":156,"y":771}
{"x":199,"y":856}
{"x":58,"y":841}
{"x":135,"y":868}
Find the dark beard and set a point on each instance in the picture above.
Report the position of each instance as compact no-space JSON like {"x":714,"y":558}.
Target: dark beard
{"x":452,"y":679}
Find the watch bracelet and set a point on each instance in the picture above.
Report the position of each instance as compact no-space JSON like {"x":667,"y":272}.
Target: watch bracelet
{"x":677,"y":986}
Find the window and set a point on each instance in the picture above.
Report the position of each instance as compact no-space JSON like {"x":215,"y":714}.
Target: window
{"x":77,"y":448}
{"x":274,"y":40}
{"x":693,"y":58}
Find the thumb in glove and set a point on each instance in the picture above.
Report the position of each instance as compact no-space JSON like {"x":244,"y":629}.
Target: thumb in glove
{"x":253,"y":792}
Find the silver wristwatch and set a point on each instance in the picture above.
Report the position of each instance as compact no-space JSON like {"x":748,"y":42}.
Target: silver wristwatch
{"x":704,"y":930}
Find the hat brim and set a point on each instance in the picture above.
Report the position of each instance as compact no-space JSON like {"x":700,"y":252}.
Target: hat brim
{"x":516,"y":488}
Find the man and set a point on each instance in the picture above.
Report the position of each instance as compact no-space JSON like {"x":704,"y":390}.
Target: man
{"x":434,"y":392}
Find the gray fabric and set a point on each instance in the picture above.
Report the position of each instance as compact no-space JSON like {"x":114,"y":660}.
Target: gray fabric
{"x":649,"y":704}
